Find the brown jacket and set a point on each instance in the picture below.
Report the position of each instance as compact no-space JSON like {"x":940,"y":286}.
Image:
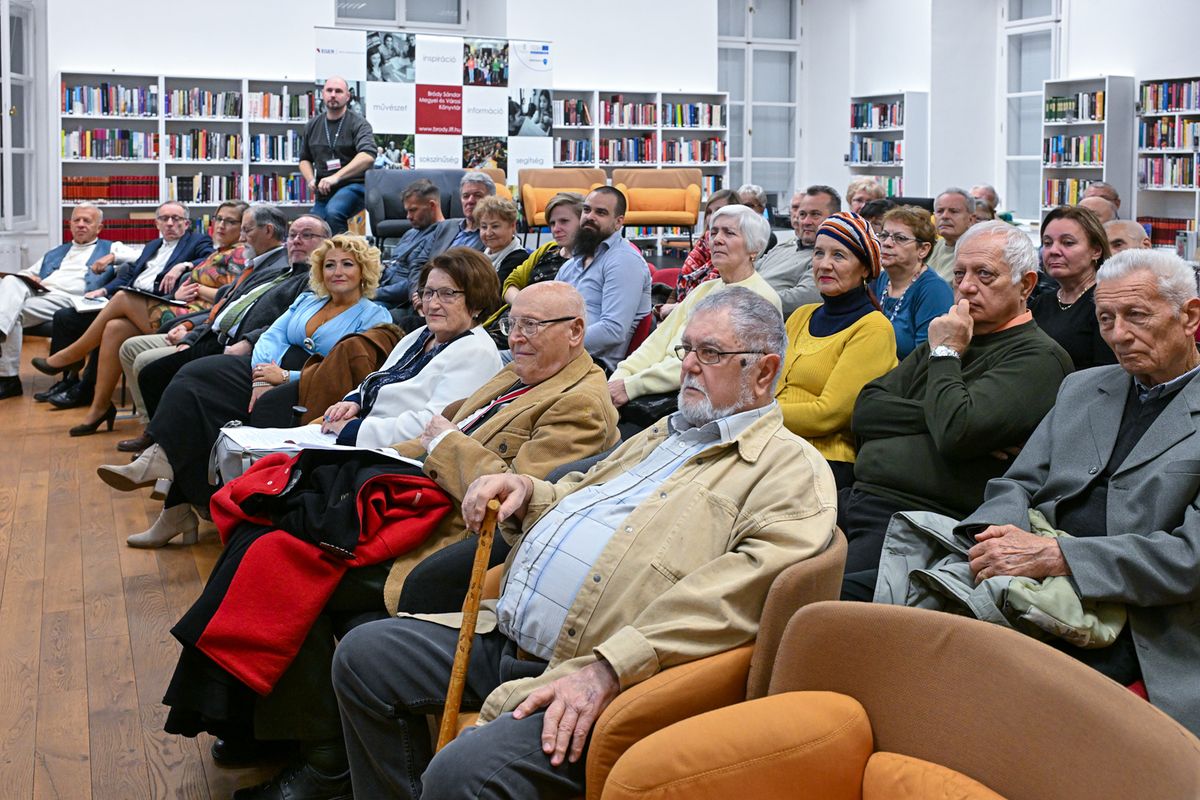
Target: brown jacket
{"x":563,"y":419}
{"x":326,"y":380}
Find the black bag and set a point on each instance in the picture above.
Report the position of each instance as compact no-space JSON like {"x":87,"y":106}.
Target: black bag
{"x":648,"y":409}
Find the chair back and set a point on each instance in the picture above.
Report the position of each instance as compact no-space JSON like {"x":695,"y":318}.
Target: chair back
{"x":643,"y":329}
{"x":1002,"y":708}
{"x":537,"y":186}
{"x":385,"y":201}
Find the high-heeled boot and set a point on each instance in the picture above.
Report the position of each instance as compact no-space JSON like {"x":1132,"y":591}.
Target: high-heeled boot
{"x":171,"y":522}
{"x":150,"y":468}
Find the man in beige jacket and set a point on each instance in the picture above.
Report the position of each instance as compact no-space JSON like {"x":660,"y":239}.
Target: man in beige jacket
{"x":661,"y":554}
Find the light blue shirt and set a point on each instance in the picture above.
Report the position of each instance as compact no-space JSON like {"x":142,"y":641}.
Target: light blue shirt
{"x":616,"y":291}
{"x":288,"y":330}
{"x":556,"y":556}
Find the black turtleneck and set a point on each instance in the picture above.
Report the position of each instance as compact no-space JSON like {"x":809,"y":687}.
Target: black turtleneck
{"x":840,"y":312}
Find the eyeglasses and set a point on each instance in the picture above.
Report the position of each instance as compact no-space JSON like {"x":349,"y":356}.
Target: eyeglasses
{"x":443,"y":294}
{"x":898,"y":238}
{"x":165,"y":218}
{"x":250,"y":229}
{"x":305,"y":235}
{"x":528,"y":327}
{"x":710,"y":355}
{"x":226,"y":220}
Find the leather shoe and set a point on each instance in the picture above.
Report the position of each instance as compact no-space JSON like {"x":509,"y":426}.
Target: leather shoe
{"x":74,"y":396}
{"x":54,"y":389}
{"x":240,"y":752}
{"x":299,"y":782}
{"x":10,"y":387}
{"x":135,"y":445}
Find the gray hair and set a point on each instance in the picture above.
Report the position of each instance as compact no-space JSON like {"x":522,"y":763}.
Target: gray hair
{"x":755,"y":230}
{"x":755,"y":191}
{"x":1176,"y":279}
{"x":478,"y":177}
{"x":267,"y":214}
{"x":99,"y":211}
{"x":993,"y":197}
{"x":967,"y":196}
{"x":756,"y":322}
{"x":1019,"y":252}
{"x":326,"y":231}
{"x":187,"y":214}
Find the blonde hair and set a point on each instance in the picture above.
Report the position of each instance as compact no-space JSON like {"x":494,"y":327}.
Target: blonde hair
{"x":492,"y":206}
{"x":364,"y":255}
{"x":869,"y":185}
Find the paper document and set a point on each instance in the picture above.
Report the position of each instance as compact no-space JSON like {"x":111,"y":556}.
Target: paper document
{"x":88,"y":304}
{"x":304,"y":437}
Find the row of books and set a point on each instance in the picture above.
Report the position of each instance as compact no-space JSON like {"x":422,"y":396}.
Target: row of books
{"x":204,"y":188}
{"x":286,"y":106}
{"x":1171,"y":96}
{"x":275,"y":147}
{"x":1164,"y":229}
{"x":573,"y":150}
{"x":879,"y":116}
{"x":199,"y":102}
{"x":709,"y":184}
{"x":107,"y":98}
{"x":1063,"y":191}
{"x":866,"y":150}
{"x":571,"y":112}
{"x":275,"y":188}
{"x":893,"y":185}
{"x":626,"y":149}
{"x":1167,"y":132}
{"x":204,"y":145}
{"x":616,"y":112}
{"x":108,"y":143}
{"x":693,"y":115}
{"x":1073,"y":150}
{"x":110,"y":188}
{"x":129,"y":231}
{"x":1081,"y":106}
{"x":687,"y":151}
{"x":1176,"y":172}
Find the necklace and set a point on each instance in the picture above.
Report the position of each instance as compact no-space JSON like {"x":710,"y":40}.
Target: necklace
{"x":1065,"y":306}
{"x":900,"y":300}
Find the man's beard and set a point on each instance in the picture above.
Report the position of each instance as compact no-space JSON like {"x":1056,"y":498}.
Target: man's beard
{"x":587,"y":240}
{"x":701,"y":412}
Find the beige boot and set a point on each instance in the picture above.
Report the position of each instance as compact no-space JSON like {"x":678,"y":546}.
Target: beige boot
{"x":171,"y":522}
{"x":151,"y":468}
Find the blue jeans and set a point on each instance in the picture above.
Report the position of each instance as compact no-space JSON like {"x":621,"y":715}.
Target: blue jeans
{"x":340,"y":206}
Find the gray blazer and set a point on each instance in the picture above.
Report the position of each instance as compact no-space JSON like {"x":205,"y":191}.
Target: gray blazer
{"x":1150,"y":559}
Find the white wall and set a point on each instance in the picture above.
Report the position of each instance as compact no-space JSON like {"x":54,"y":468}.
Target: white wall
{"x":825,"y":94}
{"x":890,"y":45}
{"x":963,"y":129}
{"x":1149,"y":39}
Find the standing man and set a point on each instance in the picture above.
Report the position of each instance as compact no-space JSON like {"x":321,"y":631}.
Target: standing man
{"x":788,"y":269}
{"x":954,"y":212}
{"x":338,"y":147}
{"x":81,"y":265}
{"x":611,"y":276}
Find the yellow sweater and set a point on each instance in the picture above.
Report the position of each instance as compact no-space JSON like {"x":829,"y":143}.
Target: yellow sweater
{"x":822,"y":376}
{"x":653,"y":368}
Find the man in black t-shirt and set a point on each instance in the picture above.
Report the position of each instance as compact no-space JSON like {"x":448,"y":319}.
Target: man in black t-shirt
{"x":337,"y":149}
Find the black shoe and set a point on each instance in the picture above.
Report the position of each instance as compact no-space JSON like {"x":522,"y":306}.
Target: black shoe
{"x":10,"y":387}
{"x":299,"y":782}
{"x":241,"y":752}
{"x":43,"y":366}
{"x":88,"y":428}
{"x":73,"y":396}
{"x":63,"y":385}
{"x":137,"y":445}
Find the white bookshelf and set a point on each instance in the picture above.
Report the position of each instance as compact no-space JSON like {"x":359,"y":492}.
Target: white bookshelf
{"x":237,"y":127}
{"x":889,"y":141}
{"x":1072,"y":167}
{"x":1167,"y":139}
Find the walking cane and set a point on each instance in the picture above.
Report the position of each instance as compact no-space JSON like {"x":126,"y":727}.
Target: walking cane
{"x":466,"y":634}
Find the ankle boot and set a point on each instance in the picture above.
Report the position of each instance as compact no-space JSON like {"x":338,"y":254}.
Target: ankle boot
{"x":171,"y":522}
{"x":150,"y":468}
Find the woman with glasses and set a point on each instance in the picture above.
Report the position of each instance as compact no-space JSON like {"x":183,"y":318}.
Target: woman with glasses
{"x":212,"y":391}
{"x":911,"y":294}
{"x":837,"y":346}
{"x":127,"y":315}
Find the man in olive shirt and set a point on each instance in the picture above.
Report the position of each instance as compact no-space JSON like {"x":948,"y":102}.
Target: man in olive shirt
{"x":336,"y":150}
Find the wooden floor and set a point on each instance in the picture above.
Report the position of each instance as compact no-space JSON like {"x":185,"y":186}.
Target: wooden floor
{"x":85,"y":643}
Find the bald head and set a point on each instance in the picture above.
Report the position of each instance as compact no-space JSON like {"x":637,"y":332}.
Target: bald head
{"x":541,"y":351}
{"x":1104,"y":210}
{"x":556,"y":298}
{"x":1125,"y":234}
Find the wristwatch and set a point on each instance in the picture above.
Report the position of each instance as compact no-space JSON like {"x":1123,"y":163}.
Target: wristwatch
{"x":944,"y":351}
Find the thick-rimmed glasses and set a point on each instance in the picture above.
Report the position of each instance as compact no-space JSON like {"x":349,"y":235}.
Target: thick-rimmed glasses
{"x":710,"y":356}
{"x":528,"y":327}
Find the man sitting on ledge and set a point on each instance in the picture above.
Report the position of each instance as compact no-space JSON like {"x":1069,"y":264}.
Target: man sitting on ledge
{"x":1116,"y":464}
{"x":661,"y":554}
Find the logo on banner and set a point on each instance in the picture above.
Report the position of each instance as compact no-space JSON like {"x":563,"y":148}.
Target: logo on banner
{"x":439,"y":109}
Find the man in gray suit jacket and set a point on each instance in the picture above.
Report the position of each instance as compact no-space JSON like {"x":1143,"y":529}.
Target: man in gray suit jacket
{"x":1116,"y":464}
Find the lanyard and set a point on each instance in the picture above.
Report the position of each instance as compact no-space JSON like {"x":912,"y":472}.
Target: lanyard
{"x":336,"y":133}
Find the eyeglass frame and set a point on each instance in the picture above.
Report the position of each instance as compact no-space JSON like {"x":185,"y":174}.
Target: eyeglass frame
{"x":899,"y":238}
{"x":170,"y":219}
{"x":305,"y":235}
{"x":444,"y":294}
{"x":520,"y":323}
{"x":682,"y":350}
{"x":226,"y":220}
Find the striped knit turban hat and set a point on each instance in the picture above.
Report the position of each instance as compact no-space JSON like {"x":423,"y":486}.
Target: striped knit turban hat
{"x":855,"y":233}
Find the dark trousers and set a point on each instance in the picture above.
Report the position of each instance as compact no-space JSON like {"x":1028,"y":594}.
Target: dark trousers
{"x":864,"y":518}
{"x":389,"y":674}
{"x":67,"y":326}
{"x":156,"y":376}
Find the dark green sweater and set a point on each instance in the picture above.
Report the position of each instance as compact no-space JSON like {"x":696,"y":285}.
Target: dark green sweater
{"x":928,"y":427}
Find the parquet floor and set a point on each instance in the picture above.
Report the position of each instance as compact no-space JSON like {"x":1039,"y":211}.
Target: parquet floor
{"x":85,"y":643}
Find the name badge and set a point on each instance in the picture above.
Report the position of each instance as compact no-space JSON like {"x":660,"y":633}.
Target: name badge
{"x":333,"y":164}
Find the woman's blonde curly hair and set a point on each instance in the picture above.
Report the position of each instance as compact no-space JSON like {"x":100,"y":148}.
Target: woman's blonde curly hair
{"x":366,"y":256}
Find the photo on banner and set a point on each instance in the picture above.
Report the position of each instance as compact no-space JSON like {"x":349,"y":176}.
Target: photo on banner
{"x":391,"y":57}
{"x":485,"y":62}
{"x":485,"y":152}
{"x":395,"y":151}
{"x":530,"y":112}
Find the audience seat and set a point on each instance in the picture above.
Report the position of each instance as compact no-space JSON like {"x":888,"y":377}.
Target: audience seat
{"x":537,"y":186}
{"x":661,"y":197}
{"x":880,"y":702}
{"x":643,"y":329}
{"x":668,"y":276}
{"x":385,"y":205}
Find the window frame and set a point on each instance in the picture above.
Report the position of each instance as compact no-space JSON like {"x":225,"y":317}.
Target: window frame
{"x":401,"y":19}
{"x":28,"y":116}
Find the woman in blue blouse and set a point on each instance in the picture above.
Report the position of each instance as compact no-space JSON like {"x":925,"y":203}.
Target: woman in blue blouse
{"x":911,"y":294}
{"x":212,"y":391}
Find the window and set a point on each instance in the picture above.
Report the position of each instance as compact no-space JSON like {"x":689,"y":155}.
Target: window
{"x":17,"y":93}
{"x":1029,"y":54}
{"x":401,"y":13}
{"x":758,"y":63}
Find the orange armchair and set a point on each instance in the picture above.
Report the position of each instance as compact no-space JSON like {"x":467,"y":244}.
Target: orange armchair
{"x":539,"y":185}
{"x":875,"y":702}
{"x":660,"y":197}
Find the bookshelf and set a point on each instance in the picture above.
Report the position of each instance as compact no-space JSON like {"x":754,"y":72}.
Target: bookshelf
{"x":889,"y":141}
{"x":1086,"y":137}
{"x":1168,"y":151}
{"x":129,"y":142}
{"x":657,"y":130}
